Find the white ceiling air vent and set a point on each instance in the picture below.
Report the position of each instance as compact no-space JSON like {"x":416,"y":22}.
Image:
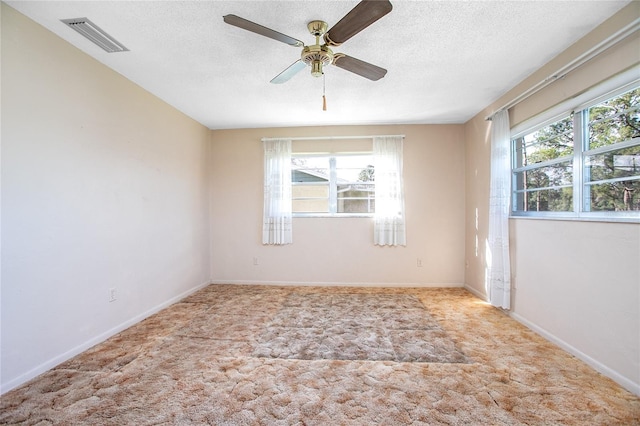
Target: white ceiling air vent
{"x":95,"y":34}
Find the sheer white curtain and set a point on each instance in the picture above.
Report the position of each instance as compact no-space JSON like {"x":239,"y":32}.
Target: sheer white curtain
{"x":498,"y":262}
{"x":389,"y":221}
{"x":276,"y":225}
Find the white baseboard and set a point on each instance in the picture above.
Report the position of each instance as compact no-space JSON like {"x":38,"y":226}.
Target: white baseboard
{"x":625,"y":382}
{"x":337,"y":284}
{"x":476,"y":293}
{"x":48,"y":365}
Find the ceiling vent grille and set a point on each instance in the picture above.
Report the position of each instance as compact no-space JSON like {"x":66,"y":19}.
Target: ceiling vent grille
{"x":95,"y":34}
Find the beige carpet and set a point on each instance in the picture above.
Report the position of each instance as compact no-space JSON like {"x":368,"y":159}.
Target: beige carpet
{"x":236,"y":355}
{"x":347,"y":326}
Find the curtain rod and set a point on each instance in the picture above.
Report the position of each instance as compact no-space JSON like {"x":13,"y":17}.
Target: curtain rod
{"x":577,"y":62}
{"x":330,"y":138}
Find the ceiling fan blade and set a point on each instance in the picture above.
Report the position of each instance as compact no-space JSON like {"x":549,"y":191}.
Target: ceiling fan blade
{"x":292,"y":70}
{"x":364,"y":14}
{"x":356,"y":66}
{"x":259,"y":29}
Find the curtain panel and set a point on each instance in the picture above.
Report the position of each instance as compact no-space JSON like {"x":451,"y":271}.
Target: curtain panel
{"x":389,"y":220}
{"x":498,"y":260}
{"x":277,"y":217}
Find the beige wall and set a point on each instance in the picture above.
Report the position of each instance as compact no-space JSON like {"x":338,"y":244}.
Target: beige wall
{"x":341,"y":250}
{"x":103,"y":186}
{"x":576,"y":282}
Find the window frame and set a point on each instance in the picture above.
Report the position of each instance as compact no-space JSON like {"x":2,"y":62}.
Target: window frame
{"x":332,"y":184}
{"x":515,"y":169}
{"x":581,"y":151}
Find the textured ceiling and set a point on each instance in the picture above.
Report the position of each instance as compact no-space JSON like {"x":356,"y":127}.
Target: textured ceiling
{"x":446,"y":60}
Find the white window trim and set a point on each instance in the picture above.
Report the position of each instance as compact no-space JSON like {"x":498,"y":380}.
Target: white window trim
{"x":615,"y":86}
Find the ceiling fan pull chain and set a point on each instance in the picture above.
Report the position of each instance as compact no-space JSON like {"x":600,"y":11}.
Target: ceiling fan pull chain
{"x":324,"y":88}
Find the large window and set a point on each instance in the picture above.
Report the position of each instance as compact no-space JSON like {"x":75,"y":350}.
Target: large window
{"x":335,"y":184}
{"x":585,"y":164}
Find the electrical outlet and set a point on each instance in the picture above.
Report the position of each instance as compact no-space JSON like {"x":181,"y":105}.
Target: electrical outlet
{"x":255,"y":261}
{"x":112,"y":294}
{"x":419,"y":262}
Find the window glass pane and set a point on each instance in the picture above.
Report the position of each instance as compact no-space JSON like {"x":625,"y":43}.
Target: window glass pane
{"x":620,"y":163}
{"x":309,"y":169}
{"x":548,"y":200}
{"x":310,"y":198}
{"x":356,"y":198}
{"x":310,"y":184}
{"x":543,"y":177}
{"x":548,"y":143}
{"x":614,"y":196}
{"x":616,"y":120}
{"x":355,"y":168}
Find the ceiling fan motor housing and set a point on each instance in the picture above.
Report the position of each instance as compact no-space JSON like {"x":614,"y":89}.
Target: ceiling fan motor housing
{"x":316,"y":56}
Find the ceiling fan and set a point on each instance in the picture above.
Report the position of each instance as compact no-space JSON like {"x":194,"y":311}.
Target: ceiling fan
{"x":319,"y":55}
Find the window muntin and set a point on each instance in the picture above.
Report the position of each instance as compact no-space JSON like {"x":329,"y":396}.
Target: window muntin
{"x":586,"y":164}
{"x":333,"y":184}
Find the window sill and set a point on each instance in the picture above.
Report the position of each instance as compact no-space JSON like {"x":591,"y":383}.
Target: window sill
{"x":575,"y":218}
{"x":324,"y":215}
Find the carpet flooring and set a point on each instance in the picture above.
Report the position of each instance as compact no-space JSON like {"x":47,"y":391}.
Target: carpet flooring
{"x":252,"y":355}
{"x":374,"y":327}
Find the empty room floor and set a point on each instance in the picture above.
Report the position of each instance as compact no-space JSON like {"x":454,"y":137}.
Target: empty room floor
{"x":245,"y":355}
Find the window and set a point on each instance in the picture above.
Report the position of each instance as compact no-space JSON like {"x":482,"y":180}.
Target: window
{"x":584,"y":164}
{"x":333,"y":184}
{"x":543,"y":168}
{"x":611,"y":154}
